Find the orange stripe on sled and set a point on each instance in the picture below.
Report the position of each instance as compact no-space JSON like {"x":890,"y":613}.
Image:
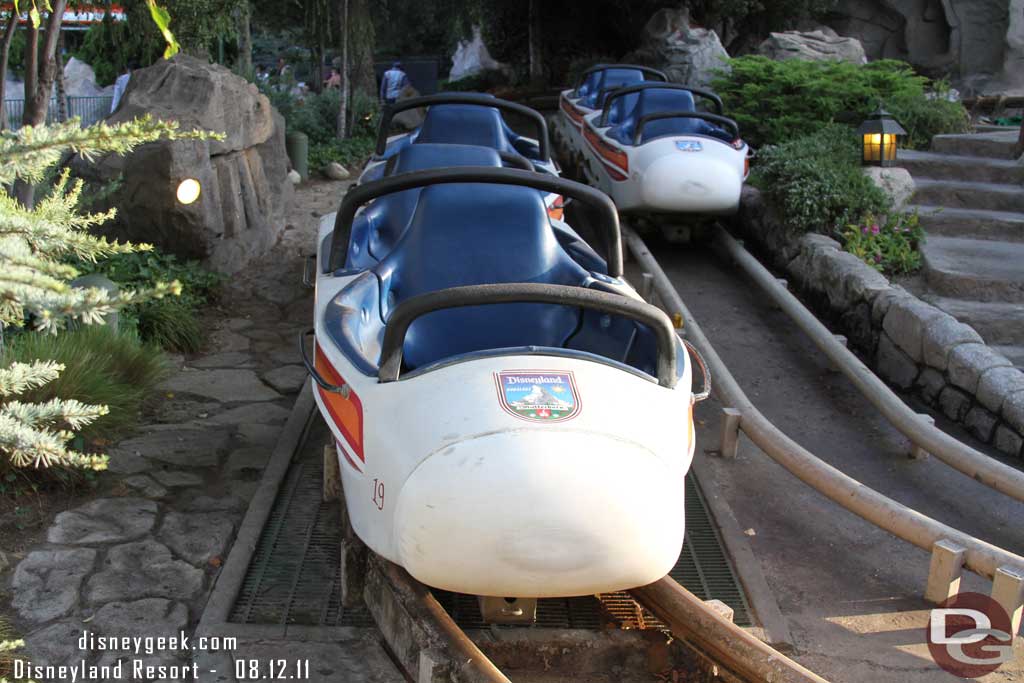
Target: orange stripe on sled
{"x":347,"y":413}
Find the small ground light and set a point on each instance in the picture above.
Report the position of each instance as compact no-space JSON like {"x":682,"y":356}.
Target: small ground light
{"x":188,"y":191}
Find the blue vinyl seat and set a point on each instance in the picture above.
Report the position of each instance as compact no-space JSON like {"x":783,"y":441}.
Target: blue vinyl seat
{"x":469,"y":124}
{"x":606,"y":81}
{"x":657,"y":100}
{"x":479,"y":234}
{"x":467,"y":234}
{"x":377,"y":229}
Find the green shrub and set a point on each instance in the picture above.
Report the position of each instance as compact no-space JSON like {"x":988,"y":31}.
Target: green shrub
{"x":171,"y":323}
{"x":778,"y":101}
{"x":480,"y":82}
{"x":349,"y":152}
{"x":101,"y":367}
{"x":887,"y":242}
{"x":816,"y":181}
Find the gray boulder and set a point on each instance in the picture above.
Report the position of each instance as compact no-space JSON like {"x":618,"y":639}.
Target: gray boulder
{"x":239,"y":213}
{"x":687,"y":54}
{"x":821,"y":44}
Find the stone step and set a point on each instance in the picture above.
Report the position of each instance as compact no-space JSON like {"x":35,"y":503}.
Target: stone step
{"x":937,"y":166}
{"x":997,"y":145}
{"x":961,"y":194}
{"x":977,"y":270}
{"x":1007,"y":226}
{"x":993,"y":128}
{"x":1000,"y":324}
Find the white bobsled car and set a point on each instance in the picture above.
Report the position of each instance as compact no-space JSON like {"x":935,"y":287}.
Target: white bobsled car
{"x":511,"y":419}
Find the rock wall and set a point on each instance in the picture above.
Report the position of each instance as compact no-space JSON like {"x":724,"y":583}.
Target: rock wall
{"x":979,"y":44}
{"x":239,"y":214}
{"x":910,"y":343}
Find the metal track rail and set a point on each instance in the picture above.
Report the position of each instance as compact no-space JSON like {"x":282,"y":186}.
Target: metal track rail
{"x":956,"y":454}
{"x":730,"y":646}
{"x":951,"y":549}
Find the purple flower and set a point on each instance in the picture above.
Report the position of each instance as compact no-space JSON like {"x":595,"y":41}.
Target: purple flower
{"x":864,"y":230}
{"x":875,"y":229}
{"x":878,"y":258}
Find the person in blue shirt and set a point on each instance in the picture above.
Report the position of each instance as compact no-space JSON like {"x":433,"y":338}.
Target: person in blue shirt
{"x":392,"y":83}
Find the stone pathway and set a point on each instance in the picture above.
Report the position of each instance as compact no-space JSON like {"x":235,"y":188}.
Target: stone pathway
{"x":141,"y":559}
{"x":971,"y":203}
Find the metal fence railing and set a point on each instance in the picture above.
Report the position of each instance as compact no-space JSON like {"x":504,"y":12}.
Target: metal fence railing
{"x":89,"y":109}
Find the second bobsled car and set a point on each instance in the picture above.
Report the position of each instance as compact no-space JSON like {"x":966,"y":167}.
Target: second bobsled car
{"x":463,"y":119}
{"x":511,"y":419}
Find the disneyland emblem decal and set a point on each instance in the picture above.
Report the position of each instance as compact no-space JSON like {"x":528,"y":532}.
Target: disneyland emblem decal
{"x":538,"y":396}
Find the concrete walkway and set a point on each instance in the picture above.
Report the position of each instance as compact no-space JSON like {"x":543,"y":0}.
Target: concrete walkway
{"x":971,"y":202}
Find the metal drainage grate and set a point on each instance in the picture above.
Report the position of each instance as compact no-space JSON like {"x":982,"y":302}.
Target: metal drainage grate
{"x":294,"y":574}
{"x":293,"y":577}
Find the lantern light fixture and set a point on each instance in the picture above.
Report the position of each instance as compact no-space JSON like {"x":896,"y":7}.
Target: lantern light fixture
{"x":879,"y":136}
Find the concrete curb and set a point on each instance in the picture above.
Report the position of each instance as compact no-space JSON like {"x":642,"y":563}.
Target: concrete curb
{"x":910,"y":343}
{"x":774,"y":626}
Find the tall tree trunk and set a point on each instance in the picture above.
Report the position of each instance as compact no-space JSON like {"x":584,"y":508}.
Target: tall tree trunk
{"x":43,"y":72}
{"x":361,"y":49}
{"x":346,"y":73}
{"x":243,"y":16}
{"x":5,"y":55}
{"x":31,"y":62}
{"x":536,"y":58}
{"x":62,"y":93}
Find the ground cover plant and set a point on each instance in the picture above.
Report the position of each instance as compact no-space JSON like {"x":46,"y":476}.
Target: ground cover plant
{"x":171,"y":323}
{"x":816,"y":181}
{"x":887,"y":242}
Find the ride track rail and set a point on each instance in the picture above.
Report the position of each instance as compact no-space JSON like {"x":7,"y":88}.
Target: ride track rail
{"x":951,"y":549}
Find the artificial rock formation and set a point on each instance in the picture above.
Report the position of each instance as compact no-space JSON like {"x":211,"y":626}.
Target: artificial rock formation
{"x":686,"y":53}
{"x":239,"y":213}
{"x":979,"y":44}
{"x":821,"y":44}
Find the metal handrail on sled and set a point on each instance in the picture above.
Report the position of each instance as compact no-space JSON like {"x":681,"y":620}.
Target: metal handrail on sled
{"x":606,"y":217}
{"x":409,"y":310}
{"x":720,"y":120}
{"x":478,"y":99}
{"x":640,"y":87}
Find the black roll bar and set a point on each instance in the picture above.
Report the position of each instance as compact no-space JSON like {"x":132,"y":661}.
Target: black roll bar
{"x":714,"y":118}
{"x":639,"y":87}
{"x":607,"y":218}
{"x":601,"y":67}
{"x":477,"y":99}
{"x":409,"y":310}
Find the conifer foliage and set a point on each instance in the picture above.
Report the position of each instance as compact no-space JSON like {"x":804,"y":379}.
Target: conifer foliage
{"x":36,"y":244}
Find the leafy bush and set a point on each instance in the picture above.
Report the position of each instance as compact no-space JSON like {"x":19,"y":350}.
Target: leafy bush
{"x":778,"y":101}
{"x":816,"y":181}
{"x":480,"y":82}
{"x":349,"y":152}
{"x":170,"y":323}
{"x":101,"y":367}
{"x":888,"y":242}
